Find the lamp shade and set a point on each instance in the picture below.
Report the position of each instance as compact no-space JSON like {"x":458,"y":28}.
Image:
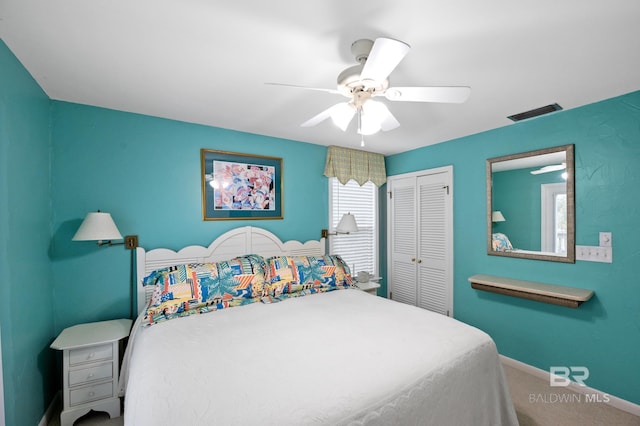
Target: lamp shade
{"x":347,"y":224}
{"x":97,"y":226}
{"x":497,"y":216}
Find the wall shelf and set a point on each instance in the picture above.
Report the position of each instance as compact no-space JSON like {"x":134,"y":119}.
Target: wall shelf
{"x":548,"y":293}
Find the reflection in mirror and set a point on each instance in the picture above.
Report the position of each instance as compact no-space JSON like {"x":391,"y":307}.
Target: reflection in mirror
{"x":530,"y":205}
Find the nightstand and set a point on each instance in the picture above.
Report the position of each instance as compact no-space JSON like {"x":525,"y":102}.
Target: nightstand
{"x":370,"y":287}
{"x":90,"y":366}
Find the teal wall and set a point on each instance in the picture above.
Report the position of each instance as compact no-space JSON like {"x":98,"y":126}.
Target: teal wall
{"x":517,"y":194}
{"x":26,"y":318}
{"x":602,"y":334}
{"x":145,"y":171}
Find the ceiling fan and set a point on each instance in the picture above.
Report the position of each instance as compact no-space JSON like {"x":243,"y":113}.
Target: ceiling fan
{"x":549,"y":168}
{"x":370,"y":79}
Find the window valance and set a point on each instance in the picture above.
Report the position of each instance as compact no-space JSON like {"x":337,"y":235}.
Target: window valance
{"x":361,"y":166}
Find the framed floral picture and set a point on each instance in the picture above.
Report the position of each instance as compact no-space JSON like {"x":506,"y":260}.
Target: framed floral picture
{"x":240,"y":186}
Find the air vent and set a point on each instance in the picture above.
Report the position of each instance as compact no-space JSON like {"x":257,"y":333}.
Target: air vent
{"x":535,"y":112}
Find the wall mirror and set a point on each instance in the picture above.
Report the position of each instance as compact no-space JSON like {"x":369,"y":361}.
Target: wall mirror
{"x":531,"y":205}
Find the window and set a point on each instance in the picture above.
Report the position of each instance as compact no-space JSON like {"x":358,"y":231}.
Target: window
{"x":554,"y":218}
{"x":360,"y":249}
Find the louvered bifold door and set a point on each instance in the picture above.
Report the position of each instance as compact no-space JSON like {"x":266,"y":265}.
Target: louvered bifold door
{"x":434,"y":230}
{"x":402,"y":223}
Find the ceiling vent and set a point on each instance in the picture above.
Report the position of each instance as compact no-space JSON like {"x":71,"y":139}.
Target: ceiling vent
{"x":535,"y":112}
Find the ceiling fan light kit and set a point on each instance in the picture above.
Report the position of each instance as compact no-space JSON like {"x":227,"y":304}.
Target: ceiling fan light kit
{"x":370,"y":78}
{"x":375,"y":117}
{"x":341,"y":114}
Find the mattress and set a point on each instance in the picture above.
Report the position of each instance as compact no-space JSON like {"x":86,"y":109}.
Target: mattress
{"x":338,"y":358}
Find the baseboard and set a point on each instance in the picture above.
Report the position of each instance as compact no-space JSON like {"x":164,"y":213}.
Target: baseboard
{"x":613,"y":401}
{"x":51,"y":410}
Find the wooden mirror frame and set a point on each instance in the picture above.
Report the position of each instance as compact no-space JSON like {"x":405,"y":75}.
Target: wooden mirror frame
{"x":525,"y":254}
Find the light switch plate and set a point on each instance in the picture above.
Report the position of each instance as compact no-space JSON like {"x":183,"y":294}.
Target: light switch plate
{"x":605,"y":239}
{"x":594,"y":254}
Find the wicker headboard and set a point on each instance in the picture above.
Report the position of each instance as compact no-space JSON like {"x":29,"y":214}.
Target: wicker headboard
{"x":237,"y":242}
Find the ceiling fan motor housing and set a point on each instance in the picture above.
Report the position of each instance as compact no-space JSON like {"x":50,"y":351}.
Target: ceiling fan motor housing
{"x":361,"y":49}
{"x":349,"y":81}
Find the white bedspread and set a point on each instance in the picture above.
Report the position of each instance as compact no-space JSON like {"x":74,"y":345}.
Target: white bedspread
{"x":343,"y":357}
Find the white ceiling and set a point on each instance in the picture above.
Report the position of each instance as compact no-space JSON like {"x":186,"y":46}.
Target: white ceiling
{"x":529,"y":162}
{"x":206,"y":61}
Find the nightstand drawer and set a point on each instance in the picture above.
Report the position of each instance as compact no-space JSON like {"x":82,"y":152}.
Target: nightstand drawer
{"x":91,"y":393}
{"x":92,"y":353}
{"x":85,"y":375}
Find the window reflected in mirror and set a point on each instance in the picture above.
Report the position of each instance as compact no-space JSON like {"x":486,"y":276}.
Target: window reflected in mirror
{"x":554,"y":217}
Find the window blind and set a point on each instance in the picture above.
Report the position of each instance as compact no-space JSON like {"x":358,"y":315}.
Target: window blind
{"x":359,"y":249}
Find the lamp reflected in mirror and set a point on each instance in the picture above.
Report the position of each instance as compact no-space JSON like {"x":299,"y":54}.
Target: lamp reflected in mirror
{"x":497,"y":216}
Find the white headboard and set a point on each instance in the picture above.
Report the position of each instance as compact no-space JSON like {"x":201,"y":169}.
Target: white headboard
{"x":237,"y":242}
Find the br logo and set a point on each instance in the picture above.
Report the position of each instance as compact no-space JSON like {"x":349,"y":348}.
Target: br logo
{"x":561,"y":375}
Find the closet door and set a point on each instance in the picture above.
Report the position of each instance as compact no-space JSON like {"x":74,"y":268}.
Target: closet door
{"x":420,"y":239}
{"x":434,"y":241}
{"x":402,"y":240}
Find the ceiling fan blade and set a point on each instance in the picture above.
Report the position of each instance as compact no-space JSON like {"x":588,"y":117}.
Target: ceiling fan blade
{"x":341,"y":114}
{"x":375,"y":117}
{"x":446,"y":94}
{"x":550,"y":168}
{"x":317,"y":119}
{"x":334,"y":91}
{"x":384,"y":57}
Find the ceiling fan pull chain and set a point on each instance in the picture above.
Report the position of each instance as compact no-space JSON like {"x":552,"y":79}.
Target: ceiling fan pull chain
{"x":360,"y":125}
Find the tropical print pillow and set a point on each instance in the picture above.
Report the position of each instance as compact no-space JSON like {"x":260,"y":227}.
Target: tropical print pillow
{"x":183,"y":290}
{"x":307,"y":274}
{"x":501,"y":242}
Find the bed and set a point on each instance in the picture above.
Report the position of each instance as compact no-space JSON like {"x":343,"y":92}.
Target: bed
{"x":334,"y":356}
